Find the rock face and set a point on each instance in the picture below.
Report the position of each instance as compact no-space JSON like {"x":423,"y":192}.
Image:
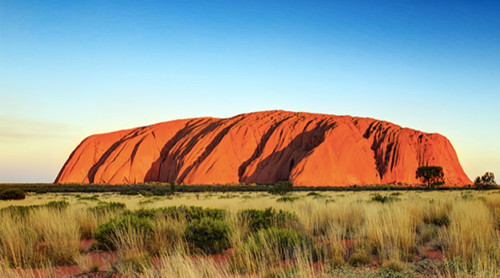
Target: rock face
{"x":263,"y":147}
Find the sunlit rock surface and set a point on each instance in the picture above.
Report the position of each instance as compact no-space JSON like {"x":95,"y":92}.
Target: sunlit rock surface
{"x":263,"y":147}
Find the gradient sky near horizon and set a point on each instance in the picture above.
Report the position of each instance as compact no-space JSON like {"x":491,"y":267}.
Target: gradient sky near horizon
{"x":69,"y":69}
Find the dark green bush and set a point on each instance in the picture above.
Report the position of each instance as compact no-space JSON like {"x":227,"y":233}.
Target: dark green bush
{"x":197,"y":213}
{"x":211,"y":236}
{"x":104,"y":207}
{"x":129,"y":192}
{"x":145,"y":213}
{"x":281,"y":188}
{"x":314,"y":194}
{"x":267,"y":218}
{"x":383,"y":199}
{"x":105,"y":234}
{"x":158,"y":192}
{"x":12,"y":194}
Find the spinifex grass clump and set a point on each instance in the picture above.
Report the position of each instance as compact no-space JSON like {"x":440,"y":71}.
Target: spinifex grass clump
{"x":17,"y":244}
{"x":392,"y":231}
{"x":103,"y":207}
{"x":44,"y":236}
{"x":268,"y":247}
{"x":23,"y":211}
{"x":436,"y":213}
{"x":210,"y":236}
{"x":59,"y":234}
{"x":57,"y":204}
{"x":471,"y":241}
{"x":133,"y":245}
{"x":107,"y":234}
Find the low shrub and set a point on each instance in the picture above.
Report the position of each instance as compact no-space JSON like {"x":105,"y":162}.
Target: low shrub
{"x":146,"y":202}
{"x":426,"y":233}
{"x":194,"y":213}
{"x":146,"y":193}
{"x":317,"y":195}
{"x":360,"y":258}
{"x":12,"y":194}
{"x":88,"y":198}
{"x":129,"y":192}
{"x":267,"y":218}
{"x":287,"y":199}
{"x":144,"y":213}
{"x":314,"y":194}
{"x":393,"y":266}
{"x":383,"y":199}
{"x":106,"y":233}
{"x":211,"y":236}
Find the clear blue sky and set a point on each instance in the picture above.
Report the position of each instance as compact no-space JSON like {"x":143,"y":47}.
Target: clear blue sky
{"x":73,"y":68}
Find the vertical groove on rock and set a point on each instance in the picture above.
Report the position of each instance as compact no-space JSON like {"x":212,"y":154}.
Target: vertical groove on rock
{"x":260,"y":148}
{"x":103,"y":158}
{"x":164,"y":154}
{"x":208,"y":149}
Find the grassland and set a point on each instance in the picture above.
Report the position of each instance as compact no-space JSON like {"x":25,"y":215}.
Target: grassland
{"x":317,"y":234}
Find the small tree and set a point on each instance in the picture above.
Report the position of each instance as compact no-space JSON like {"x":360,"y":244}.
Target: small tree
{"x":430,"y":175}
{"x":172,"y":189}
{"x":281,"y":188}
{"x":487,"y":180}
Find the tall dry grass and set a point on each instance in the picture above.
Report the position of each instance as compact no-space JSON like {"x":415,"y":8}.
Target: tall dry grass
{"x":18,"y":244}
{"x":341,"y":228}
{"x":472,"y":240}
{"x":58,"y":234}
{"x":391,"y":229}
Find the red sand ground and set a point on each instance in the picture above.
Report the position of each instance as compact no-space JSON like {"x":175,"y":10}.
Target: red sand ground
{"x":105,"y":259}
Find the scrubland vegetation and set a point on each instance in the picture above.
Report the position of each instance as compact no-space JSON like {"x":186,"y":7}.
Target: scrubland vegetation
{"x":253,"y":234}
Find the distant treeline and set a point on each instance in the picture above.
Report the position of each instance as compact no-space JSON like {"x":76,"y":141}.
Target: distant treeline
{"x":166,"y":188}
